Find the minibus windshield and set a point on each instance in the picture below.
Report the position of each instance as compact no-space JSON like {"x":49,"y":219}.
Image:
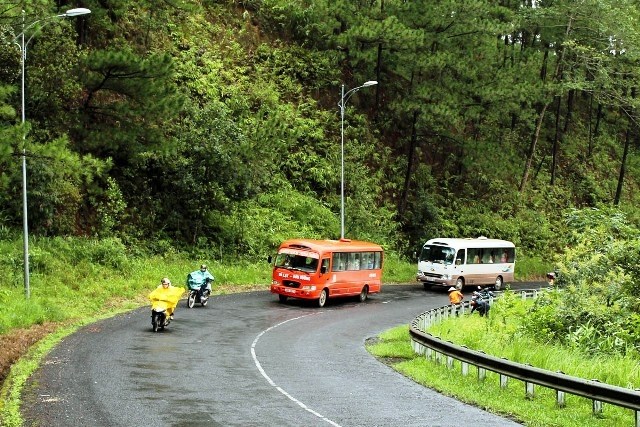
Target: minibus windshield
{"x":437,"y":254}
{"x":289,"y":261}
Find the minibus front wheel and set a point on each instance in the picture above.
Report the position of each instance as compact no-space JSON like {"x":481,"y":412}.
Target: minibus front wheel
{"x":364,"y":293}
{"x":498,"y":283}
{"x":323,"y":298}
{"x":283,"y":298}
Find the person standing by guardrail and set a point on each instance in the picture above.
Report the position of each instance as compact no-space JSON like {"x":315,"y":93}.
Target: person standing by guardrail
{"x":455,"y":298}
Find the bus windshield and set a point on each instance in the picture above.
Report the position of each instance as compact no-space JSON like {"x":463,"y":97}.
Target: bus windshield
{"x":437,"y":254}
{"x":291,"y":261}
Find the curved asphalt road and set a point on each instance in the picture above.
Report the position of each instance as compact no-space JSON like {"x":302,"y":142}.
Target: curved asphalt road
{"x":245,"y":360}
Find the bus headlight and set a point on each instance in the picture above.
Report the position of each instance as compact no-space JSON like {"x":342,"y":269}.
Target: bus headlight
{"x":275,"y":282}
{"x":308,"y":288}
{"x":446,"y":276}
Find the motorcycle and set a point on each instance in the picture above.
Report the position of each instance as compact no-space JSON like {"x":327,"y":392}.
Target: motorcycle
{"x":163,"y":301}
{"x":199,"y":293}
{"x":159,"y":318}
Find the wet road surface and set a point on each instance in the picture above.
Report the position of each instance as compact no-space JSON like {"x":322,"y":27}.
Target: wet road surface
{"x":244,"y":360}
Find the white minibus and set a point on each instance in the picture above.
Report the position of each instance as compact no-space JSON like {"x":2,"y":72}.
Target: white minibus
{"x":466,"y":262}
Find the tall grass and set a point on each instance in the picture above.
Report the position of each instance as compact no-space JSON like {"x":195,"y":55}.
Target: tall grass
{"x":490,"y":336}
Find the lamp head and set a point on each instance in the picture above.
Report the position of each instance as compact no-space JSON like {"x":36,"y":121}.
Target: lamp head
{"x":77,"y":12}
{"x":370,"y":83}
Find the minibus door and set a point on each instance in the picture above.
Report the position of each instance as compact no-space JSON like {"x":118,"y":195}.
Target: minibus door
{"x":324,"y":272}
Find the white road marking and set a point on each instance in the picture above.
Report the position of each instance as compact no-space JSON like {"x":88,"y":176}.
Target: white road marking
{"x":273,"y":384}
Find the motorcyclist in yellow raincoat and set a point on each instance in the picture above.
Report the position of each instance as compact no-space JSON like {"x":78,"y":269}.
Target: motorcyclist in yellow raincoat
{"x":166,"y":296}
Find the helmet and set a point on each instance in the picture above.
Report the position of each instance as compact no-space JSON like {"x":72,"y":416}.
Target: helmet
{"x":203,"y":267}
{"x":451,"y":289}
{"x":165,"y":281}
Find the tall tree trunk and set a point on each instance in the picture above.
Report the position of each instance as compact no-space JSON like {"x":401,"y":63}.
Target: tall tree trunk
{"x":570,"y":103}
{"x":623,"y":164}
{"x":597,"y":127}
{"x":532,"y":148}
{"x":631,"y":128}
{"x":410,"y":157}
{"x":590,"y":118}
{"x":556,"y":138}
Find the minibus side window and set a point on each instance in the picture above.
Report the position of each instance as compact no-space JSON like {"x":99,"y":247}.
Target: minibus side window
{"x":339,"y":261}
{"x":324,"y":267}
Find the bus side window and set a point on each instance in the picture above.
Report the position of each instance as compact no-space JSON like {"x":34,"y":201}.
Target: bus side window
{"x":339,"y":261}
{"x":324,"y":267}
{"x":460,"y":257}
{"x":377,"y":263}
{"x":354,"y":261}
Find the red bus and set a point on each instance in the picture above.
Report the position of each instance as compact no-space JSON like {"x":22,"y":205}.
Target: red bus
{"x":322,"y":269}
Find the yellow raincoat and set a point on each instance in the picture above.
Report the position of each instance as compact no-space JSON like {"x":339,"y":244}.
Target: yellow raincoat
{"x":166,"y":298}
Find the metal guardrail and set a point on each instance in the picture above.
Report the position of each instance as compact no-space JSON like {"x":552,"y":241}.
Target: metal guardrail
{"x":434,"y":347}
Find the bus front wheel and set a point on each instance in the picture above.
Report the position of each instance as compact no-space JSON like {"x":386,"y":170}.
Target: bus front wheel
{"x":459,"y":283}
{"x":323,"y":298}
{"x":498,"y":283}
{"x":282,"y":298}
{"x":363,"y":294}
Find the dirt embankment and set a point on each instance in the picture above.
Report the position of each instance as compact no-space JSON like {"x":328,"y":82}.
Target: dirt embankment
{"x":16,"y":343}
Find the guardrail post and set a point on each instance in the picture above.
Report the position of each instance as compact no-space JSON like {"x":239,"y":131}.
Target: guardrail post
{"x":482,"y":372}
{"x":637,"y":419}
{"x":465,"y":368}
{"x":529,"y":390}
{"x":428,"y":354}
{"x":560,"y":396}
{"x":449,"y":362}
{"x":503,"y":381}
{"x":597,"y":405}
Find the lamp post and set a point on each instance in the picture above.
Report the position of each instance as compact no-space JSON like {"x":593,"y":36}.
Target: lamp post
{"x":22,"y":44}
{"x":343,"y":100}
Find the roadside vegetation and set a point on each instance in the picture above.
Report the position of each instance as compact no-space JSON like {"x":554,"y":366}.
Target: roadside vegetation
{"x":585,"y":326}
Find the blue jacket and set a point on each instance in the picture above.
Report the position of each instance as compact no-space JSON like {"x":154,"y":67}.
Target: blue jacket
{"x":196,"y":278}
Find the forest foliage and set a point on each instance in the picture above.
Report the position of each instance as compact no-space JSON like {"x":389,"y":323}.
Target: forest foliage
{"x":214,"y":123}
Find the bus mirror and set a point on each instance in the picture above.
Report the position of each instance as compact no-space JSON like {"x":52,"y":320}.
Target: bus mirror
{"x":415,"y":254}
{"x":323,"y":269}
{"x":458,"y":261}
{"x":269,"y":259}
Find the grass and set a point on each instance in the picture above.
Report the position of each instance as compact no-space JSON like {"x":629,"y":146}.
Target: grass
{"x":394,"y":347}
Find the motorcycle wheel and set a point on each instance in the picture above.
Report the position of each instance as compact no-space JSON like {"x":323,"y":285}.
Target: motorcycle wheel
{"x":191,"y":300}
{"x":204,"y":302}
{"x":154,"y":322}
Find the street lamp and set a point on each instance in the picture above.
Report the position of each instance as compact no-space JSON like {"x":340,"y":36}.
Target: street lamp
{"x":22,"y":44}
{"x":343,"y":100}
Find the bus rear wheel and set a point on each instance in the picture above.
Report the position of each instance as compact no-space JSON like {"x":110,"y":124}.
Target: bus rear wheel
{"x":323,"y":298}
{"x":498,"y":283}
{"x":363,"y":294}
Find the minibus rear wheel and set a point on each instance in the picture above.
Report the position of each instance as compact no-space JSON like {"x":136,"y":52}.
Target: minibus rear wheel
{"x":323,"y":298}
{"x":364,"y":293}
